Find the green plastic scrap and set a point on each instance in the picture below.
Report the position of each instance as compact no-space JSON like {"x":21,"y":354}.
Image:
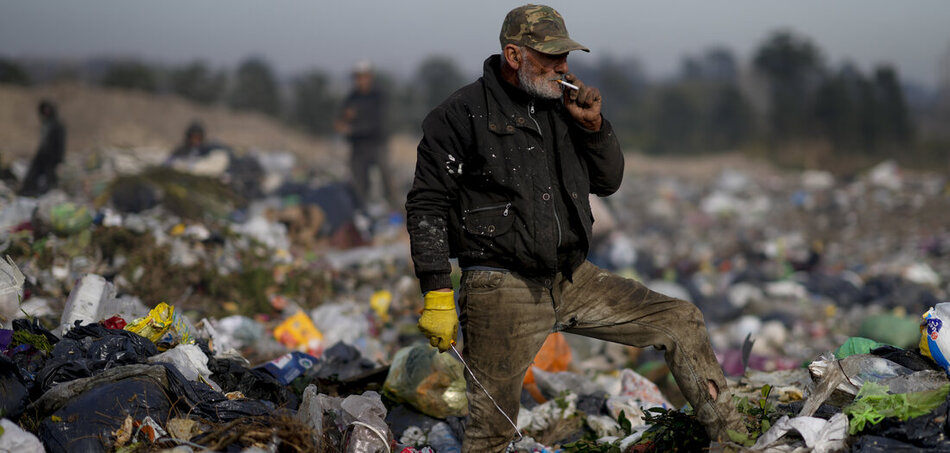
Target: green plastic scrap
{"x":857,"y":345}
{"x":873,"y":404}
{"x":70,"y":218}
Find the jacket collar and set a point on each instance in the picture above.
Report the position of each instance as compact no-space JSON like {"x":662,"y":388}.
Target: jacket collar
{"x":506,"y":104}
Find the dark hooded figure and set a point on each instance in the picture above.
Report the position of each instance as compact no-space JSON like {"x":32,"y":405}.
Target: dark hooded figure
{"x":194,"y":145}
{"x":41,"y":176}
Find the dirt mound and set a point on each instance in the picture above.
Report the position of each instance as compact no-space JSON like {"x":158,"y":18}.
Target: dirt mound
{"x":97,"y":117}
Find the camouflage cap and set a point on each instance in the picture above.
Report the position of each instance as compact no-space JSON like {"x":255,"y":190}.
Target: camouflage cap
{"x":539,"y":27}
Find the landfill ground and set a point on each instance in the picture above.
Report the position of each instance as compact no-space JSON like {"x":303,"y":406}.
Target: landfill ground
{"x":151,"y":309}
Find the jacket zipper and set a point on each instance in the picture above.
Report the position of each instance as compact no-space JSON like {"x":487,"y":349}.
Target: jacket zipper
{"x":557,"y":221}
{"x":507,"y":206}
{"x":531,"y":115}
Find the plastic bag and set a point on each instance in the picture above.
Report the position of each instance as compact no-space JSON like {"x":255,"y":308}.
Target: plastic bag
{"x":86,"y":422}
{"x":366,"y":428}
{"x":16,"y":439}
{"x":341,"y":362}
{"x":164,"y":326}
{"x":403,"y":418}
{"x":344,"y":321}
{"x":822,"y":436}
{"x":232,"y":375}
{"x":554,"y":356}
{"x":910,"y":359}
{"x":856,"y":345}
{"x":554,"y":384}
{"x":234,"y":332}
{"x":15,"y":395}
{"x":442,"y":439}
{"x":91,"y":349}
{"x":312,"y":411}
{"x":925,"y":431}
{"x":603,"y":425}
{"x":641,"y":388}
{"x":629,"y":405}
{"x":69,"y":218}
{"x":431,"y":382}
{"x":190,"y":361}
{"x":380,"y":302}
{"x":858,"y":368}
{"x":934,"y":342}
{"x":873,"y":404}
{"x":298,"y":332}
{"x":11,"y":290}
{"x":878,"y":444}
{"x":550,"y":414}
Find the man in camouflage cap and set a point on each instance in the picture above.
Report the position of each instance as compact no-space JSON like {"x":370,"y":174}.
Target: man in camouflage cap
{"x":503,"y":175}
{"x":539,"y":27}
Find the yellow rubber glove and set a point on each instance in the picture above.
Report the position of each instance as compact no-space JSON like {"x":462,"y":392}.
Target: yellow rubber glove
{"x":439,"y":322}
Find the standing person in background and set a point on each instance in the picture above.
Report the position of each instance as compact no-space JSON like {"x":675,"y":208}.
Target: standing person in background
{"x":362,"y":122}
{"x":41,"y":176}
{"x":503,"y":174}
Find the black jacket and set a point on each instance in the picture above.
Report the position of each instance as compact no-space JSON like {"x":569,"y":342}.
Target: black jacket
{"x":483,"y":189}
{"x":369,"y":122}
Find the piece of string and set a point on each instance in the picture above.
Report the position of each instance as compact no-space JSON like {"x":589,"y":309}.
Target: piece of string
{"x":513,"y":425}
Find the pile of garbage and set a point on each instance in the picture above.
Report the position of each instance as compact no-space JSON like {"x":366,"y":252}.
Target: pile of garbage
{"x":114,"y":376}
{"x":140,"y":315}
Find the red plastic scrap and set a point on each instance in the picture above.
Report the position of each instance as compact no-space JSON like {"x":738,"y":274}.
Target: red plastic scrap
{"x":115,"y":323}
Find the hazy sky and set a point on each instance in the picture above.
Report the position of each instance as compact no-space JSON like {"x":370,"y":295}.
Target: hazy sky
{"x":397,"y":34}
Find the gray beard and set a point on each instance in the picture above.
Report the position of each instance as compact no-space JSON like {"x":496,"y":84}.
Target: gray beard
{"x":537,"y":87}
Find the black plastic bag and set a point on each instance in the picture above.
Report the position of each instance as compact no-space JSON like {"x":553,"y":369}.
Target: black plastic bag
{"x":925,"y":431}
{"x":111,"y":344}
{"x":87,"y":421}
{"x":908,"y":358}
{"x":14,"y":394}
{"x":341,"y":362}
{"x":90,"y":349}
{"x":233,"y":376}
{"x":227,"y":410}
{"x":198,"y":399}
{"x":593,"y":404}
{"x":401,"y":417}
{"x":877,"y":444}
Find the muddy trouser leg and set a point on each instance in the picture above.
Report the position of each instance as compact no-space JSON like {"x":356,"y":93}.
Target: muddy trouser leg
{"x":602,"y":305}
{"x":505,"y":320}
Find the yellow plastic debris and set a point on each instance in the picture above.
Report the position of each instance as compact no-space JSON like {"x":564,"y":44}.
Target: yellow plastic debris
{"x":380,"y":302}
{"x":163,"y":326}
{"x":177,"y":230}
{"x":298,"y":332}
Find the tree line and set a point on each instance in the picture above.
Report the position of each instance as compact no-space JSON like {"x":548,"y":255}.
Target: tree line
{"x":787,"y":94}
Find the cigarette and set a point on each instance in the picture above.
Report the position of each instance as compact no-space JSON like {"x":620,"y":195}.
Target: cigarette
{"x":567,"y":84}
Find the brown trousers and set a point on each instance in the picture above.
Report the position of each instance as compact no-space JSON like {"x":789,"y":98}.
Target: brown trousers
{"x":506,"y":318}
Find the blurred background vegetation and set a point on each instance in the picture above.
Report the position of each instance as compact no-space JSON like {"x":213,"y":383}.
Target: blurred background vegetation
{"x":786,"y":103}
